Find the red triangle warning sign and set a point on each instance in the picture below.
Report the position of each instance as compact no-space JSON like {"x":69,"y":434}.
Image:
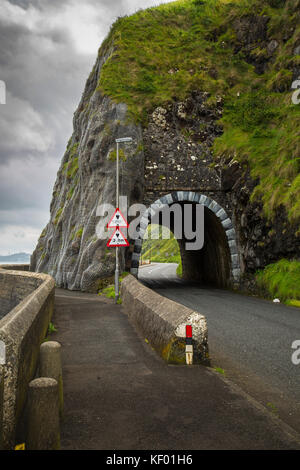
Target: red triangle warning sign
{"x":117,"y":220}
{"x":117,"y":239}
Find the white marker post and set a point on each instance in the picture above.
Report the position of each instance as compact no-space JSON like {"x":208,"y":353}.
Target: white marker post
{"x":123,"y":139}
{"x":2,"y":353}
{"x":189,"y":345}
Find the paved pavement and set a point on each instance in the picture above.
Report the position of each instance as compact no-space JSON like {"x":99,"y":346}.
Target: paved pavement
{"x":249,"y":338}
{"x":119,"y":394}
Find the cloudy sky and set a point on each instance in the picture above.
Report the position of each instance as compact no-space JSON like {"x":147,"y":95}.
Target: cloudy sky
{"x":47,"y":50}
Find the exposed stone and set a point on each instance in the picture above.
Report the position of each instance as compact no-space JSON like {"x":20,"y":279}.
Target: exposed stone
{"x":251,"y":28}
{"x":272,"y":46}
{"x":297,"y":50}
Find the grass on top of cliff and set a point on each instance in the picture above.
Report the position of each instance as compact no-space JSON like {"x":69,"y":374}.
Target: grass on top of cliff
{"x":163,"y":53}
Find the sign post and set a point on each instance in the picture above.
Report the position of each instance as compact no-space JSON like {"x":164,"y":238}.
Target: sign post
{"x":118,"y":141}
{"x":117,"y":239}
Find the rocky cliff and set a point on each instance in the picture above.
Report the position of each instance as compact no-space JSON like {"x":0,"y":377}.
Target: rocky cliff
{"x":68,"y":247}
{"x":204,"y":89}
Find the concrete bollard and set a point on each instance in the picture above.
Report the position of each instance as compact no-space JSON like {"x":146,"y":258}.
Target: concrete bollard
{"x":43,"y":431}
{"x":50,"y":366}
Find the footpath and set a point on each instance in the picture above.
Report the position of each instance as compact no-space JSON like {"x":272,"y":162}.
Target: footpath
{"x":119,"y":394}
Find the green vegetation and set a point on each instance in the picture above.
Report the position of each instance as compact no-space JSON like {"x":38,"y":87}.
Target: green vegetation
{"x":72,"y":189}
{"x":219,"y":370}
{"x":139,"y":148}
{"x":179,"y":269}
{"x":272,"y":408}
{"x":160,"y":250}
{"x":57,"y":215}
{"x":71,"y":166}
{"x":109,"y":291}
{"x":43,"y":234}
{"x":113,"y":155}
{"x":163,"y":53}
{"x":282,"y":280}
{"x":293,"y":303}
{"x":76,"y":235}
{"x":79,"y":232}
{"x":51,"y":328}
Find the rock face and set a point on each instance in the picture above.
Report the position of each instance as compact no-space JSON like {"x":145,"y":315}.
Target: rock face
{"x":68,"y":248}
{"x":171,"y":153}
{"x":177,"y":147}
{"x":178,"y":156}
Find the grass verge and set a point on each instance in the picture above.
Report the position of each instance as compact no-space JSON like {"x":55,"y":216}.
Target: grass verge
{"x":282,"y":280}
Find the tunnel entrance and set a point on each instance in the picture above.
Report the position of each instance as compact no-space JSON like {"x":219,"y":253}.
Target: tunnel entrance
{"x":217,"y":262}
{"x":212,"y":264}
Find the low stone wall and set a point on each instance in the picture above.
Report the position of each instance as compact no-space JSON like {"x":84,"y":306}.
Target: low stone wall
{"x":15,"y":267}
{"x":14,"y":289}
{"x":22,"y":330}
{"x":162,"y":322}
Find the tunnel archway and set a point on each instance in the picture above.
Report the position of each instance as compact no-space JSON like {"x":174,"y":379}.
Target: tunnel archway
{"x":217,"y":263}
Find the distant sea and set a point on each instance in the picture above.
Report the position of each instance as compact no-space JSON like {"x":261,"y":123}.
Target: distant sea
{"x":15,"y":258}
{"x":14,"y":262}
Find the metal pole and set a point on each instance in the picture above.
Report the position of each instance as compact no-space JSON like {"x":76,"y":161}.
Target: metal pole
{"x":117,"y":248}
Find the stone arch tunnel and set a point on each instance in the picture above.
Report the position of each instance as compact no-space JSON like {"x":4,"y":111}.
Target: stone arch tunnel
{"x":217,"y":263}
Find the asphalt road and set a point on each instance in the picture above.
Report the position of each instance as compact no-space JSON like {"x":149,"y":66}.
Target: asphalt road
{"x":249,"y":338}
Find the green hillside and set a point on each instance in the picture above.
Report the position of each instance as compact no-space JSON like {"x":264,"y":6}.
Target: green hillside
{"x":162,"y":250}
{"x":164,"y":53}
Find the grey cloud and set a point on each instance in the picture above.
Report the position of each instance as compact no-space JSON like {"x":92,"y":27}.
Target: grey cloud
{"x":45,"y":71}
{"x":22,"y":218}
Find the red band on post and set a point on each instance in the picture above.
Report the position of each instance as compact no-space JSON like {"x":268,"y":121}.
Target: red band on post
{"x":188,"y":330}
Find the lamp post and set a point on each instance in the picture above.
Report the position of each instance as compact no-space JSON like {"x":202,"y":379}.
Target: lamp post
{"x":118,"y":141}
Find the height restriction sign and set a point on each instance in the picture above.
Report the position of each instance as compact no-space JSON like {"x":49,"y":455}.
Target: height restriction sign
{"x":117,"y":220}
{"x":117,"y":239}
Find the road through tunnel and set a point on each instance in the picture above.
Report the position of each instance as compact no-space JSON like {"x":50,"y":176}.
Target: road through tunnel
{"x":216,"y":263}
{"x":211,"y":265}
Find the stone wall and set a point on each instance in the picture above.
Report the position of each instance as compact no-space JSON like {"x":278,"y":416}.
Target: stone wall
{"x":162,"y":322}
{"x":15,"y":267}
{"x":13,"y":289}
{"x":22,"y":330}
